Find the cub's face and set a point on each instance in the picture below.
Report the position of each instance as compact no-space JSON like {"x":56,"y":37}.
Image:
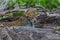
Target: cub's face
{"x":31,"y":13}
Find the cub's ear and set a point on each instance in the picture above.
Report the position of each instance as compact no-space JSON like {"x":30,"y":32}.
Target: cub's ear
{"x":26,"y":15}
{"x":1,"y":25}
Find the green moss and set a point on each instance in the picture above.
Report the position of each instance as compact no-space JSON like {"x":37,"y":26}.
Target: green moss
{"x":39,"y":26}
{"x":19,"y":14}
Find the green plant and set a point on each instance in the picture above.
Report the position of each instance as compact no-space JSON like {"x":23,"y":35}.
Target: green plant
{"x":19,"y":14}
{"x":1,"y":1}
{"x":50,"y":4}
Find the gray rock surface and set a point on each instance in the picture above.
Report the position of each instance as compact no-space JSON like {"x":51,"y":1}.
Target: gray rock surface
{"x":28,"y":33}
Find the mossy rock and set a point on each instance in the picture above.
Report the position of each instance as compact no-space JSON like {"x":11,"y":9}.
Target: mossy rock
{"x":58,"y":28}
{"x":39,"y":26}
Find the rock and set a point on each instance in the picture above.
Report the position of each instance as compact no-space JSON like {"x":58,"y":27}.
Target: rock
{"x":29,"y":33}
{"x":58,"y":28}
{"x":26,"y":34}
{"x":4,"y":34}
{"x":52,"y":36}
